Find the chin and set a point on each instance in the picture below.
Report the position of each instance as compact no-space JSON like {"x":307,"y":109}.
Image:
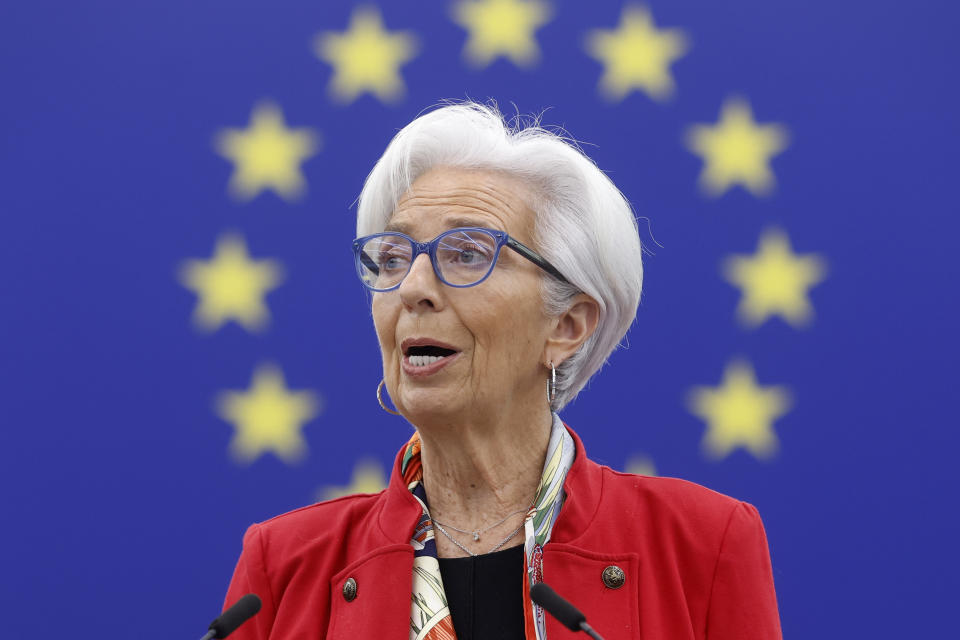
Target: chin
{"x":428,"y":404}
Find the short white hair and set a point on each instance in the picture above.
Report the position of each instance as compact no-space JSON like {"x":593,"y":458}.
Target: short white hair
{"x":584,"y":226}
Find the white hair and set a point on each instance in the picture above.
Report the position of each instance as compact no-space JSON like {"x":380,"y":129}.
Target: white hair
{"x":584,"y":226}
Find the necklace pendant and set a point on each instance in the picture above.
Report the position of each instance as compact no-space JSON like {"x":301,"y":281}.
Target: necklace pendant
{"x":476,"y":536}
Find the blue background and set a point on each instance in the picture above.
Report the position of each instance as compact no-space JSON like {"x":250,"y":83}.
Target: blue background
{"x":120,"y":502}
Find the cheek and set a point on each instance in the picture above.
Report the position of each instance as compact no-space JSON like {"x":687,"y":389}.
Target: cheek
{"x":508,"y":331}
{"x":385,"y":322}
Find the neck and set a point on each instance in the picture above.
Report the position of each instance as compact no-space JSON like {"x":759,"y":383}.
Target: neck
{"x":478,"y":472}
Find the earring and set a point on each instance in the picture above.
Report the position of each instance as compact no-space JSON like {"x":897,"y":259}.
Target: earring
{"x":380,"y":399}
{"x":552,"y":385}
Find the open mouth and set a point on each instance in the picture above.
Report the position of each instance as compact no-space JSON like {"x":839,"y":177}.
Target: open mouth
{"x":425,"y":355}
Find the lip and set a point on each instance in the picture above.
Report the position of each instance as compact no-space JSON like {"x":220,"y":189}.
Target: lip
{"x":424,"y":342}
{"x":430,"y":369}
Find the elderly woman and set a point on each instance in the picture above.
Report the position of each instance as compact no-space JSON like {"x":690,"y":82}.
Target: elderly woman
{"x":504,"y":267}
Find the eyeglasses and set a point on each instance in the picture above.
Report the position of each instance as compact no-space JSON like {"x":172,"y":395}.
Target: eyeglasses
{"x":461,"y":257}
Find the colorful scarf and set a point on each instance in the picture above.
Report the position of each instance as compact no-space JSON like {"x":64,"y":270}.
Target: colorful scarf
{"x":429,"y":611}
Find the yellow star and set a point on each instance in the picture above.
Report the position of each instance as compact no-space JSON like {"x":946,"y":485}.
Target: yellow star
{"x":641,"y":465}
{"x":368,"y":477}
{"x":267,"y":155}
{"x":774,"y":281}
{"x":231,"y":286}
{"x":739,"y":413}
{"x":737,"y":150}
{"x":268,"y":417}
{"x":365,"y":57}
{"x":501,"y":28}
{"x":636,"y":55}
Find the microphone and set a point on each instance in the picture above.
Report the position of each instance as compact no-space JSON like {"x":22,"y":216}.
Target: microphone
{"x":241,"y":611}
{"x":567,"y":614}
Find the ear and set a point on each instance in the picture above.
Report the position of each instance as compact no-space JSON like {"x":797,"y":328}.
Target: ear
{"x":571,"y":329}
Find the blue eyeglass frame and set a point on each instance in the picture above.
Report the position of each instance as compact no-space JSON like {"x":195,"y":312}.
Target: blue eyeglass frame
{"x":363,"y":261}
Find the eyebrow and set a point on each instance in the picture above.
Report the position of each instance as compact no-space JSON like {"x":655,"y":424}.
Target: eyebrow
{"x":398,"y":226}
{"x":452,"y":223}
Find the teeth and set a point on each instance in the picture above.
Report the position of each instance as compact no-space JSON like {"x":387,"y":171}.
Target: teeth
{"x":422,"y":361}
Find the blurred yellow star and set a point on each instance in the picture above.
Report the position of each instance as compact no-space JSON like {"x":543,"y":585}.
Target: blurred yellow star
{"x":366,"y":58}
{"x":368,"y":477}
{"x":642,"y":465}
{"x":267,"y":155}
{"x":737,"y":150}
{"x":268,"y":417}
{"x":774,"y":281}
{"x":636,"y":55}
{"x":231,"y":286}
{"x":739,"y":413}
{"x":501,"y":28}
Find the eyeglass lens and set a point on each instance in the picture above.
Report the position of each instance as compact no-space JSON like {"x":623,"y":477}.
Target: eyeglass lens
{"x":463,"y":258}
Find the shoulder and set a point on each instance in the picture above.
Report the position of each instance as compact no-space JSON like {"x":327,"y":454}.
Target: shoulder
{"x":695,"y":545}
{"x":648,"y":505}
{"x":672,"y":506}
{"x":323,"y":525}
{"x":295,"y":557}
{"x":664,"y":493}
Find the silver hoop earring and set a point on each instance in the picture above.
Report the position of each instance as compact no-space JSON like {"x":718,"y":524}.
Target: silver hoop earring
{"x":380,"y":399}
{"x":552,"y":385}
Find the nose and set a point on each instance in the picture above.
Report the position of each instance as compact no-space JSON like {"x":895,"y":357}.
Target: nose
{"x":421,"y":289}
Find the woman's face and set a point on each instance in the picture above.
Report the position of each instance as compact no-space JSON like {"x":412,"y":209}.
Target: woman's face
{"x":497,"y":329}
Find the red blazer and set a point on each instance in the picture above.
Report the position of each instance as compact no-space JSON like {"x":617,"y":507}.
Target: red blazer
{"x":695,"y":563}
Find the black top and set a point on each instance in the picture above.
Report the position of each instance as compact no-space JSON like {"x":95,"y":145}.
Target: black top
{"x":485,"y":594}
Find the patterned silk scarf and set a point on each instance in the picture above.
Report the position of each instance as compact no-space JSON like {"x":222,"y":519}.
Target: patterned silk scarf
{"x":429,"y":612}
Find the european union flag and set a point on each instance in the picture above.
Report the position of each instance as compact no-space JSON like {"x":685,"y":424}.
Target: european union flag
{"x":185,"y":348}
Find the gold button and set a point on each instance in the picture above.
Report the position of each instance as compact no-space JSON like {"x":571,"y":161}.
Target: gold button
{"x":613,"y":577}
{"x":349,"y":589}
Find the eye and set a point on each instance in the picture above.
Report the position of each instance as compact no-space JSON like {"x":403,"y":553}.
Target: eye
{"x":391,"y":263}
{"x":467,"y":249}
{"x":472,"y":254}
{"x":393,"y":256}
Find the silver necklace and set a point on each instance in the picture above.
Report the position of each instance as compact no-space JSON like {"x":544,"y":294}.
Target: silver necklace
{"x":495,"y":547}
{"x":476,"y":533}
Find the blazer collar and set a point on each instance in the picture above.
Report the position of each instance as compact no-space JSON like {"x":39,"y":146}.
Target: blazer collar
{"x":401,"y":511}
{"x":583,"y":486}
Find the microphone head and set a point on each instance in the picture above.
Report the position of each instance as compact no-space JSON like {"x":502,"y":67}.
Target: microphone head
{"x":242,"y":610}
{"x":568,"y":615}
